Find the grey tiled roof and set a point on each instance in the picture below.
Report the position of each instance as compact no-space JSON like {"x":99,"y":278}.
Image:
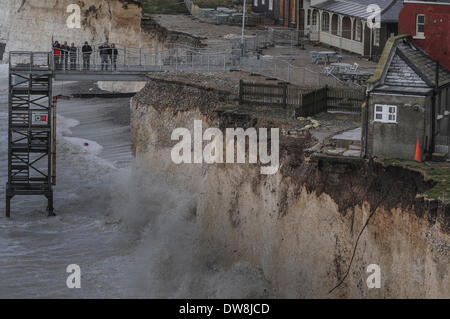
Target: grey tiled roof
{"x":399,"y":73}
{"x":424,"y":63}
{"x":391,"y":13}
{"x":358,"y":8}
{"x":404,"y":65}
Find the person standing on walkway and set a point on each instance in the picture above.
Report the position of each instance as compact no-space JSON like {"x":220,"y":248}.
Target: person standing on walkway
{"x":87,"y":51}
{"x":73,"y":56}
{"x":65,"y":55}
{"x":114,"y":53}
{"x":57,"y":55}
{"x":104,"y":55}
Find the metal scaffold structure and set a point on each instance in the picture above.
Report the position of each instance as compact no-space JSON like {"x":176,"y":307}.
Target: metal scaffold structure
{"x":30,"y":127}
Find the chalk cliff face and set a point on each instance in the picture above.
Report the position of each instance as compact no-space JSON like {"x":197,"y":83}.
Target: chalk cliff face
{"x":31,"y":24}
{"x":300,"y":226}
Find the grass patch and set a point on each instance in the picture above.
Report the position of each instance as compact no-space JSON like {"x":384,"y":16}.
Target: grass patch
{"x":164,"y":7}
{"x":437,"y":172}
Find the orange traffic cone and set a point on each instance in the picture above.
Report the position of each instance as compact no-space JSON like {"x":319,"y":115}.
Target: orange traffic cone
{"x":417,"y":156}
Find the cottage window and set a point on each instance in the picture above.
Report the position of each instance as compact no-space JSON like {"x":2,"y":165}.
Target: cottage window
{"x":325,"y":22}
{"x":255,"y":3}
{"x":385,"y":113}
{"x":308,"y":19}
{"x":271,"y":5}
{"x":420,"y":25}
{"x":376,"y":37}
{"x":314,"y":20}
{"x":358,"y":30}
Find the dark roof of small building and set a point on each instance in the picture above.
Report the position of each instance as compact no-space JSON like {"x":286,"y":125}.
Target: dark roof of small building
{"x":403,"y":64}
{"x":390,"y":9}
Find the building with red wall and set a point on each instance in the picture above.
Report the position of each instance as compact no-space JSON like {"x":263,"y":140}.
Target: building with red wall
{"x":429,"y":25}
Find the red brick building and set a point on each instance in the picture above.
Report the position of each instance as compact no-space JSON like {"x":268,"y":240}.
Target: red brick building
{"x":429,"y":25}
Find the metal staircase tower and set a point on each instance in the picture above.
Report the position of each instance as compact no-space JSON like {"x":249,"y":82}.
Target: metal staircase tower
{"x":30,"y":127}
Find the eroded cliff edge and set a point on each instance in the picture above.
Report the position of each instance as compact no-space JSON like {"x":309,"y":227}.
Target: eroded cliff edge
{"x":299,"y":226}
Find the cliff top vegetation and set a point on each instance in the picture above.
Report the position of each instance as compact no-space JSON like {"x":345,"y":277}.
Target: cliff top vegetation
{"x":437,"y":172}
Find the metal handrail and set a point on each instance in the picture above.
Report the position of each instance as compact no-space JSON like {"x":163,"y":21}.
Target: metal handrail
{"x":29,"y":61}
{"x":132,"y":59}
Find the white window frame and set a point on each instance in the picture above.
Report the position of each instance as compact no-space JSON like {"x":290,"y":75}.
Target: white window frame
{"x":420,"y":35}
{"x":315,"y":17}
{"x":358,"y":28}
{"x":388,"y":113}
{"x":325,"y":22}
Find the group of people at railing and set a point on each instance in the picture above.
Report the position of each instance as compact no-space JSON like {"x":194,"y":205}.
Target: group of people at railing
{"x":69,"y":58}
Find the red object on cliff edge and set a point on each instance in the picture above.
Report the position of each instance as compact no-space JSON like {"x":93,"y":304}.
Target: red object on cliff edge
{"x":417,"y":157}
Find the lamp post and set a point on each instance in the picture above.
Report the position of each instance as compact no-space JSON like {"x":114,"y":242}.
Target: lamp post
{"x":243,"y":29}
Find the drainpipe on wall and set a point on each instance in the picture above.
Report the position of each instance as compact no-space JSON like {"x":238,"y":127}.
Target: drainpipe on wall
{"x":370,"y":47}
{"x":365,"y":125}
{"x":433,"y":111}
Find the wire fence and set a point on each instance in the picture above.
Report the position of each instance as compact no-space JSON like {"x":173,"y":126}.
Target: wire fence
{"x":257,"y":40}
{"x":278,"y":68}
{"x":229,"y":55}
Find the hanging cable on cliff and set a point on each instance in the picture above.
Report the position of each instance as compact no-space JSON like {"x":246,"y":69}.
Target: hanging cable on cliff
{"x":373,"y":211}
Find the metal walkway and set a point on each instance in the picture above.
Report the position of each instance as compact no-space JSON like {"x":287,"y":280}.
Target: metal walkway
{"x":132,"y":64}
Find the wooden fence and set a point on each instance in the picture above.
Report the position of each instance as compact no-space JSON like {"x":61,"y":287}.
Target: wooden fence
{"x":345,"y":100}
{"x":314,"y":102}
{"x":306,"y":101}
